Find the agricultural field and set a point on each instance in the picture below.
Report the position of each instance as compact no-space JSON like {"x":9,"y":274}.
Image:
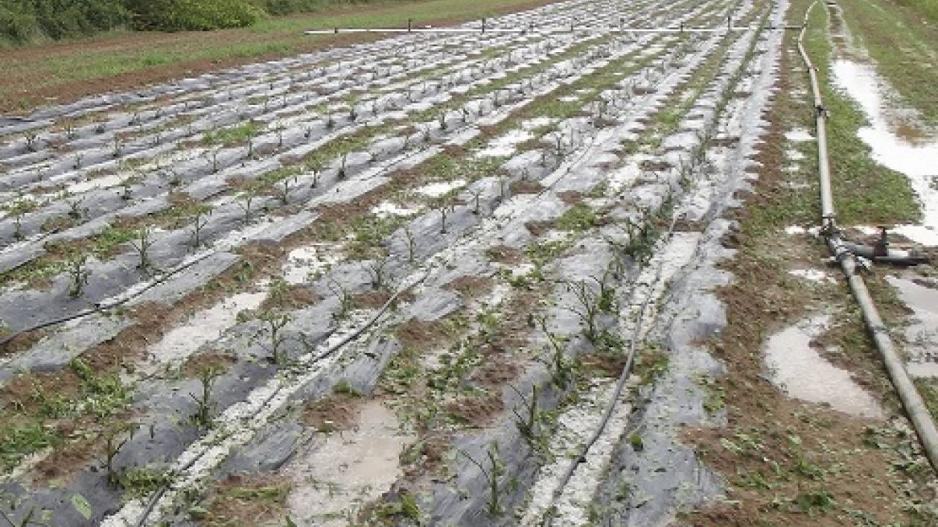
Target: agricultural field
{"x":539,"y":278}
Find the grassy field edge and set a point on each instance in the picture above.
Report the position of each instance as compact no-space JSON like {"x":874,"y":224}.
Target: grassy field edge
{"x":61,"y":72}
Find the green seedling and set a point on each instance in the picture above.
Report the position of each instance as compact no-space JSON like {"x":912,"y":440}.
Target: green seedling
{"x":205,"y":407}
{"x":280,"y":129}
{"x":636,"y":442}
{"x":587,"y":307}
{"x":342,"y":172}
{"x":142,"y":245}
{"x":443,"y":212}
{"x":127,"y":188}
{"x":214,"y":157}
{"x":78,"y":273}
{"x":174,"y":179}
{"x":283,"y":189}
{"x":245,"y":205}
{"x":199,"y":221}
{"x":20,"y":208}
{"x":493,"y":476}
{"x":345,"y":299}
{"x":561,"y":368}
{"x":31,"y":139}
{"x":559,"y":150}
{"x":274,"y":324}
{"x":112,"y":446}
{"x":377,"y":270}
{"x":411,"y":245}
{"x":476,"y":199}
{"x":527,"y":421}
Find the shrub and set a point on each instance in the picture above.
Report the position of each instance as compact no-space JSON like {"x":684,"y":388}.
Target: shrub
{"x":24,"y":20}
{"x":285,"y":7}
{"x":21,"y":20}
{"x":183,"y":15}
{"x":16,"y":25}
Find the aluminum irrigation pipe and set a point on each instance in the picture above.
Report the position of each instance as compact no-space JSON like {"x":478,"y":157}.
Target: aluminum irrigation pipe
{"x":911,"y":399}
{"x":556,"y":30}
{"x":522,"y":31}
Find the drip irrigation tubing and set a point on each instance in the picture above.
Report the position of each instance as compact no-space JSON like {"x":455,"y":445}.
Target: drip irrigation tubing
{"x":911,"y":399}
{"x":101,"y":308}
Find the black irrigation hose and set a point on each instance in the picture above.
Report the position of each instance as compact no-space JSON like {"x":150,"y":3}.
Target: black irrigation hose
{"x":330,"y":351}
{"x":102,"y":308}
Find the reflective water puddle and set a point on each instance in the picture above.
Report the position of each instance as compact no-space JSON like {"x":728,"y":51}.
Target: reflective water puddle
{"x":896,"y":143}
{"x":922,"y":332}
{"x":203,"y":327}
{"x":435,"y":190}
{"x":799,"y":370}
{"x":812,"y":275}
{"x":505,"y":145}
{"x":348,"y":469}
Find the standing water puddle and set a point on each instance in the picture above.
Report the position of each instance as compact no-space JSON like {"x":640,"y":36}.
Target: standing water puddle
{"x":916,"y":158}
{"x":348,"y":469}
{"x":505,"y":145}
{"x":203,"y":327}
{"x":798,"y":369}
{"x":922,"y":333}
{"x":306,"y":263}
{"x":441,"y":188}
